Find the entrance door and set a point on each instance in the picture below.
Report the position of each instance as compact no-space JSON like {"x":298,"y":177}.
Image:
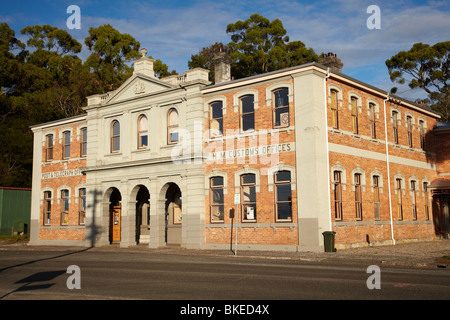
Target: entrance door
{"x":115,"y":232}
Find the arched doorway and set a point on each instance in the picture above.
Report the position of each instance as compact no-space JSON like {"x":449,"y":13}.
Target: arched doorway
{"x":173,"y":211}
{"x":142,"y":216}
{"x":115,"y":212}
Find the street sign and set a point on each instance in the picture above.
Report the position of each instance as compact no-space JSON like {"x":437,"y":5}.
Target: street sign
{"x":237,"y":198}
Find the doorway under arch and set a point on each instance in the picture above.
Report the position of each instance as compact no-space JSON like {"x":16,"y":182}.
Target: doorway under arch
{"x":173,"y":215}
{"x":142,"y":216}
{"x":115,"y":215}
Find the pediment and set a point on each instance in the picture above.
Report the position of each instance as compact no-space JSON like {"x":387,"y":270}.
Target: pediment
{"x":137,"y":85}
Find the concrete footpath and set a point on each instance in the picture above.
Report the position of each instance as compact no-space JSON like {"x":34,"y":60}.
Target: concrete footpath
{"x":427,"y":254}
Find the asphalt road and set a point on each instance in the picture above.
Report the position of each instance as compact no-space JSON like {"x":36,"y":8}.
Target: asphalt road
{"x":122,"y":275}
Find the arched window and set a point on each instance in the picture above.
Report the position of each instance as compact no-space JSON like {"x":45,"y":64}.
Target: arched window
{"x":49,"y":147}
{"x":115,"y":136}
{"x":64,"y":207}
{"x":283,"y":195}
{"x":281,"y":108}
{"x":334,"y":109}
{"x":142,"y":132}
{"x":395,"y":125}
{"x":216,"y":202}
{"x":337,"y":181}
{"x":83,"y":143}
{"x":354,"y":109}
{"x":66,"y":144}
{"x":248,"y":197}
{"x":47,"y":207}
{"x":409,"y":130}
{"x":82,"y":206}
{"x":372,"y":119}
{"x":247,"y":110}
{"x":216,"y":119}
{"x":172,"y":126}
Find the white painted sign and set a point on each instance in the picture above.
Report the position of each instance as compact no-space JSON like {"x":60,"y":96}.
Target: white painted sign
{"x":61,"y":174}
{"x":252,"y":151}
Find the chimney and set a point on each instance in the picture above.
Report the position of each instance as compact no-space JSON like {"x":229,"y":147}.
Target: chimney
{"x":331,"y":60}
{"x":222,"y":70}
{"x":144,"y":65}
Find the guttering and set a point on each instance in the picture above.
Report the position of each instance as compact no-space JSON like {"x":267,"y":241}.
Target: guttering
{"x":328,"y":151}
{"x":387,"y":165}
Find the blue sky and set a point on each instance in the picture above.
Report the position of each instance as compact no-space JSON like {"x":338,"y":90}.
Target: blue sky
{"x":174,"y":30}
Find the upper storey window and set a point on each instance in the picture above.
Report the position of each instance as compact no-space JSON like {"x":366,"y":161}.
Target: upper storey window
{"x":354,"y":107}
{"x":281,"y":107}
{"x":83,"y":144}
{"x":49,"y":147}
{"x":372,"y":119}
{"x":216,"y":119}
{"x":115,"y":136}
{"x":409,"y":130}
{"x":395,"y":125}
{"x":334,"y":109}
{"x":172,"y":126}
{"x":247,"y":110}
{"x":66,"y":144}
{"x":142,"y":132}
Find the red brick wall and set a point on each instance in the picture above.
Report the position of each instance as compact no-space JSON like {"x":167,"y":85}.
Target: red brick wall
{"x":56,"y":231}
{"x":351,"y":231}
{"x":276,"y":233}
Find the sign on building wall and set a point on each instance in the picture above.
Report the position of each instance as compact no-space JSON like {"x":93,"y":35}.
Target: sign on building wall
{"x":61,"y":174}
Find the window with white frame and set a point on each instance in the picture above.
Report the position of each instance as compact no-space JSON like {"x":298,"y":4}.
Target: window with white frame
{"x":280,"y":107}
{"x":142,"y":132}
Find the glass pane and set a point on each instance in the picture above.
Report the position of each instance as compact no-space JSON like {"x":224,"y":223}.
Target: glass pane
{"x":84,"y":135}
{"x":144,"y":141}
{"x":248,"y":194}
{"x":173,"y":118}
{"x":174,"y":137}
{"x":284,"y":192}
{"x":67,"y":137}
{"x":217,"y":196}
{"x":247,"y":104}
{"x":248,"y":122}
{"x":116,"y":143}
{"x":283,"y":176}
{"x":281,"y":97}
{"x":217,"y":213}
{"x":217,"y":181}
{"x":216,"y":127}
{"x":116,"y":128}
{"x":282,"y":116}
{"x":249,"y":212}
{"x":143,"y":123}
{"x":216,"y":110}
{"x":248,"y":178}
{"x":50,"y":141}
{"x":67,"y":151}
{"x":284,"y":210}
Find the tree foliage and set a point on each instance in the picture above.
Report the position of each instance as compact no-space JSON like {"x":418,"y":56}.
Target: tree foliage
{"x":425,"y":67}
{"x":44,"y":80}
{"x":257,"y":45}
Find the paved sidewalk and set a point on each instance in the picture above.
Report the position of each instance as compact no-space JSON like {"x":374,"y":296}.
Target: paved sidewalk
{"x":429,"y":254}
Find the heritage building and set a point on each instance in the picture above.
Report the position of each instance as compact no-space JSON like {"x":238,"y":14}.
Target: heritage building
{"x":278,"y":158}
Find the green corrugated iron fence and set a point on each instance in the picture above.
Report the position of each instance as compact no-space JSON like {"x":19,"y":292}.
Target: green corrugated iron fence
{"x":15,"y":210}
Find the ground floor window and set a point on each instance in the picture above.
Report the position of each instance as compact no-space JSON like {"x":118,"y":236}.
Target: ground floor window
{"x":248,"y":197}
{"x":283,"y":196}
{"x":82,"y":206}
{"x":64,"y":207}
{"x":216,"y":199}
{"x":47,"y":207}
